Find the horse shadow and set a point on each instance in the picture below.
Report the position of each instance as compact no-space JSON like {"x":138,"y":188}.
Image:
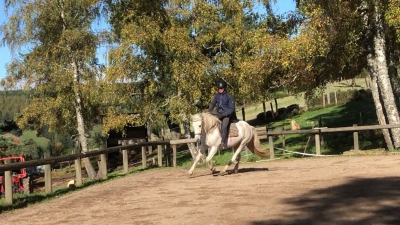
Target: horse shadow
{"x":251,"y":169}
{"x":231,"y":172}
{"x":242,"y":171}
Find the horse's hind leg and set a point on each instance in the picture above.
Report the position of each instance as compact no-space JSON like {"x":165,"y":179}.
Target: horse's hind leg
{"x":233,"y":160}
{"x":236,"y":169}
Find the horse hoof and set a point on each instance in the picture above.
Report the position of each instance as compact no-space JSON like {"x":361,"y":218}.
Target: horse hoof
{"x":223,"y":173}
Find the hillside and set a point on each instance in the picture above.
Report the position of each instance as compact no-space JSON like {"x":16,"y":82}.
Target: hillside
{"x":13,"y":102}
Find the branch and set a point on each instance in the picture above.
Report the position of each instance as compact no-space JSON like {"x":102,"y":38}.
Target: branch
{"x":213,"y":46}
{"x":169,"y":99}
{"x":284,"y":83}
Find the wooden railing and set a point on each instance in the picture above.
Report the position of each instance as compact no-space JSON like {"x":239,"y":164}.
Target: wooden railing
{"x":9,"y":167}
{"x":261,"y":131}
{"x":318,"y":131}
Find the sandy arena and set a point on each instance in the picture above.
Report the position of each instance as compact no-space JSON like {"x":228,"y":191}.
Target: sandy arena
{"x":339,"y":190}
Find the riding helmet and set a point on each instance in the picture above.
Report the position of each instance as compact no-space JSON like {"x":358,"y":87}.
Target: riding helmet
{"x":221,"y":84}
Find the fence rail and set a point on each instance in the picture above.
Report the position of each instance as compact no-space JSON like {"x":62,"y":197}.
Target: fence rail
{"x":333,"y":130}
{"x":262,"y":132}
{"x":52,"y":160}
{"x":318,"y":131}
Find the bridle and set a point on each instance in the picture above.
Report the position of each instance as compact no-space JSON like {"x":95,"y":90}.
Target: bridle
{"x":202,"y":131}
{"x":202,"y":126}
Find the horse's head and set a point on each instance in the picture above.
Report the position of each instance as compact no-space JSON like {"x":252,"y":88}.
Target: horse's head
{"x":197,"y":122}
{"x":203,"y":122}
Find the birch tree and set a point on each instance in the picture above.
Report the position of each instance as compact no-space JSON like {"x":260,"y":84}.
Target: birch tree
{"x":356,"y":36}
{"x":54,"y":48}
{"x":378,"y":53}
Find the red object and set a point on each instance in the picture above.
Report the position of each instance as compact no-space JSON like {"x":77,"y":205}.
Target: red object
{"x":16,"y":176}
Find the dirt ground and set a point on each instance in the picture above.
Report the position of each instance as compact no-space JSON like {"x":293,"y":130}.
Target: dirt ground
{"x":338,"y":190}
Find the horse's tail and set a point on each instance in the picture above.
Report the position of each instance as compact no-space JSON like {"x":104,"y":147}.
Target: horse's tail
{"x":254,"y":145}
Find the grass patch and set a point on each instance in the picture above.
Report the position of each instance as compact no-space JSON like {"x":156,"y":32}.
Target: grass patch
{"x":40,"y":141}
{"x":360,"y":112}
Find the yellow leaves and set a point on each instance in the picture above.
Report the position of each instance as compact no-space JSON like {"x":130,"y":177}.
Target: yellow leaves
{"x":392,"y":16}
{"x":117,"y":122}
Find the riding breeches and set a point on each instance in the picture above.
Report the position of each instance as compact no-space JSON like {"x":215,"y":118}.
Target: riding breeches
{"x":224,"y":128}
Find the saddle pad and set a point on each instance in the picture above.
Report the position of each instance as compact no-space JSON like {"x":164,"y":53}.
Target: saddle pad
{"x":233,"y":130}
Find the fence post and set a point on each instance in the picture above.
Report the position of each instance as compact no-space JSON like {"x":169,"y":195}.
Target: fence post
{"x":78,"y":166}
{"x":243,"y":114}
{"x":103,"y":166}
{"x":271,"y":147}
{"x":144,"y":157}
{"x":283,"y":141}
{"x":168,"y":154}
{"x":174,"y":155}
{"x":8,"y":184}
{"x":47,"y":174}
{"x":159,"y":155}
{"x":317,"y":144}
{"x":149,"y":147}
{"x":265,"y":110}
{"x":78,"y":172}
{"x":355,"y":137}
{"x":125,"y":158}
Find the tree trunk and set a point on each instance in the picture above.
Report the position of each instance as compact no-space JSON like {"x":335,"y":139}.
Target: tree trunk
{"x":393,"y":58}
{"x":80,"y":122}
{"x":379,"y":110}
{"x":384,"y":80}
{"x":78,"y":107}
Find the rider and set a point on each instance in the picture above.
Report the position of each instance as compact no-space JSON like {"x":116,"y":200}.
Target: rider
{"x":225,"y":111}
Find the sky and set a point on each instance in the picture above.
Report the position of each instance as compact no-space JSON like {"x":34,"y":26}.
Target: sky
{"x":280,"y":7}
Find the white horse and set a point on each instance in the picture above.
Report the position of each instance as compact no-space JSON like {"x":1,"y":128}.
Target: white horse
{"x":241,"y":134}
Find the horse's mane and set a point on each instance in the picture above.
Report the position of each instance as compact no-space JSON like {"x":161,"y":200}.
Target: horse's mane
{"x":209,"y":121}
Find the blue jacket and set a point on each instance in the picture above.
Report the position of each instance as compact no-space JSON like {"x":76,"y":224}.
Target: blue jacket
{"x":226,"y":103}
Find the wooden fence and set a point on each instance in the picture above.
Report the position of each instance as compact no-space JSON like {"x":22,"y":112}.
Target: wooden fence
{"x":318,"y":131}
{"x":9,"y":167}
{"x":262,"y":133}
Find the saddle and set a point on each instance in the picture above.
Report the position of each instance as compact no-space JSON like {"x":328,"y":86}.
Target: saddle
{"x":233,"y":130}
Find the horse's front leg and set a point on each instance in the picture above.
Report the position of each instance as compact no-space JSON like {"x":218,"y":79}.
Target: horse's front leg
{"x":195,"y":163}
{"x":211,"y":154}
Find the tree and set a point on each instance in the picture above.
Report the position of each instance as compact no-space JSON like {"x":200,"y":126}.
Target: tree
{"x":175,"y":51}
{"x":59,"y":48}
{"x":355,"y":36}
{"x":378,"y":64}
{"x":11,"y":147}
